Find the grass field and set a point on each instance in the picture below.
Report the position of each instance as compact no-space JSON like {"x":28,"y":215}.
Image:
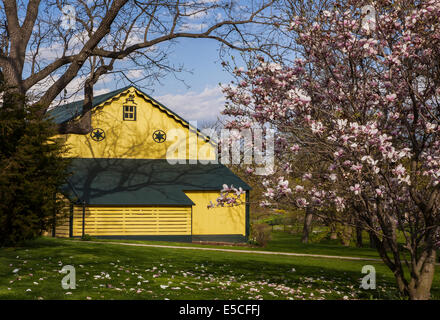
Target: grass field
{"x":284,"y":242}
{"x":108,"y":271}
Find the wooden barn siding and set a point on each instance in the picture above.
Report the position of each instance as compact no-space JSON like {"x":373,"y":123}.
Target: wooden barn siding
{"x":132,"y":221}
{"x":63,"y":228}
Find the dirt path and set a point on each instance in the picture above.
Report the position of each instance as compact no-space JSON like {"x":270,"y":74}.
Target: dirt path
{"x":239,"y":251}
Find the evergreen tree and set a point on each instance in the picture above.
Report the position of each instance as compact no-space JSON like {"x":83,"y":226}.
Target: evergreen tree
{"x":31,"y":172}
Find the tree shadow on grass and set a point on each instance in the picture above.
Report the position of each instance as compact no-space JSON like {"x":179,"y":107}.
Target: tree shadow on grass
{"x":328,"y":274}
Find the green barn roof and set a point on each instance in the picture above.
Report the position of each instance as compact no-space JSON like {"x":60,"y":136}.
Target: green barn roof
{"x":143,"y":181}
{"x":69,"y":111}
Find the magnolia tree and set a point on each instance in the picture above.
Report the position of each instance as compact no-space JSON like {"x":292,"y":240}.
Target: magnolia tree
{"x":363,"y":98}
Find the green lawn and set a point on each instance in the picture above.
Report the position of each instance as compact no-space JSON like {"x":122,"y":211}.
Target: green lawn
{"x":107,"y":271}
{"x":283,"y":242}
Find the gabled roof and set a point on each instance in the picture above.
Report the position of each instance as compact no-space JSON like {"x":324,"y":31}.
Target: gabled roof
{"x":143,"y":181}
{"x":70,"y":111}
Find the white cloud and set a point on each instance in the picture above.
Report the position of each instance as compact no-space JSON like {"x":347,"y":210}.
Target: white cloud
{"x":199,"y":106}
{"x":193,"y":27}
{"x":135,"y":74}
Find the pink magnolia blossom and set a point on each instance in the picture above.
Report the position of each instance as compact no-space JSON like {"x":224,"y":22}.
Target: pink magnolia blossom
{"x":356,"y":189}
{"x":363,"y":105}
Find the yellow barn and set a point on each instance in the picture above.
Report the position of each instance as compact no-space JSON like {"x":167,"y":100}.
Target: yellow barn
{"x":143,"y":172}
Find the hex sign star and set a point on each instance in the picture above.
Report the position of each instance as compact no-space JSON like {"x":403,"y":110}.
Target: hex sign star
{"x":159,"y":136}
{"x":97,"y":134}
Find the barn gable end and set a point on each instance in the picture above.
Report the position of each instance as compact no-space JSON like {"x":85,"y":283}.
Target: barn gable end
{"x":134,"y":137}
{"x":124,"y":186}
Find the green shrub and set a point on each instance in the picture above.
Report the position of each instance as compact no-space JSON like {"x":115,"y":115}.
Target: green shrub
{"x":261,"y":234}
{"x":86,"y":237}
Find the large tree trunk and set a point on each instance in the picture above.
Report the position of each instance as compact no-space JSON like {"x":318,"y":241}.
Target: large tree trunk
{"x":307,"y":225}
{"x":373,"y":243}
{"x":13,"y":94}
{"x":422,"y":270}
{"x":18,"y":37}
{"x":359,"y":230}
{"x":420,"y":288}
{"x":333,"y":231}
{"x":345,"y":235}
{"x":81,"y":126}
{"x":84,"y":124}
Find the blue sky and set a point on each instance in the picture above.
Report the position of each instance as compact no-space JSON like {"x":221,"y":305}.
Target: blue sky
{"x":201,"y":57}
{"x":203,"y":100}
{"x":198,"y":98}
